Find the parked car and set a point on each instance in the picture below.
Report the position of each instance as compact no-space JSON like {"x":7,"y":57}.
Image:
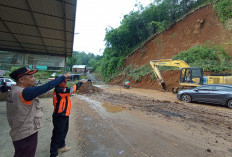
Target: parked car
{"x":9,"y":82}
{"x":74,"y":77}
{"x":212,"y":93}
{"x":53,"y":74}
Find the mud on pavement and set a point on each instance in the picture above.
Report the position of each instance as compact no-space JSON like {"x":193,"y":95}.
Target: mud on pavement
{"x":217,"y":120}
{"x":88,"y":88}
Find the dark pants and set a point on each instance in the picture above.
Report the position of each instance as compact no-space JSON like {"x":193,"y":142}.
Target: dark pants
{"x":26,"y":147}
{"x":59,"y":133}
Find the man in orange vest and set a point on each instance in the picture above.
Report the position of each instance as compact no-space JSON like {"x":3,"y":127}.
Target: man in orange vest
{"x":62,"y":107}
{"x":127,"y":84}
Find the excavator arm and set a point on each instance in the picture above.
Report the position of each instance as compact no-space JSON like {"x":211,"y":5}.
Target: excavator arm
{"x":158,"y":75}
{"x":166,"y":62}
{"x":169,"y":62}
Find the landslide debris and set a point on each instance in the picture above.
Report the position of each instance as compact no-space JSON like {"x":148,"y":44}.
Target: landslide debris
{"x":88,"y":88}
{"x":171,"y":79}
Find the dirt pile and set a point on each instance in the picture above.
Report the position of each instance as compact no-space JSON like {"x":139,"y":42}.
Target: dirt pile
{"x":171,"y":79}
{"x":87,"y":88}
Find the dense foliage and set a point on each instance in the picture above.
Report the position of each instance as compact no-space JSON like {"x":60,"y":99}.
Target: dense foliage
{"x":208,"y":56}
{"x":224,"y":9}
{"x":136,"y":73}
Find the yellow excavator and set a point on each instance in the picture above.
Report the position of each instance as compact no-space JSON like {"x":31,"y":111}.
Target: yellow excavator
{"x":189,"y":76}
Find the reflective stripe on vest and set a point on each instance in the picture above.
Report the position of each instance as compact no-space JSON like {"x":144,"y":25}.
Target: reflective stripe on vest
{"x":61,"y":103}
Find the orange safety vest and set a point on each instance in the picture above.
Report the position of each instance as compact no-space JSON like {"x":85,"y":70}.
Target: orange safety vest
{"x":61,"y":100}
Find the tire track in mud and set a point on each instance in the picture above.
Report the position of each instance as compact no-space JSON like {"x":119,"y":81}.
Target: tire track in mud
{"x":217,"y":120}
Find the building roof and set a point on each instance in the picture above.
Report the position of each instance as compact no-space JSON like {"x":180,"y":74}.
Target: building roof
{"x":37,"y":26}
{"x":79,"y":66}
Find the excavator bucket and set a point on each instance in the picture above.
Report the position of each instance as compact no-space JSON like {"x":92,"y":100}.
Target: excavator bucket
{"x":163,"y":85}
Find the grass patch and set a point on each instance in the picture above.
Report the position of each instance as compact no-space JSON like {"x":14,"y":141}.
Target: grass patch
{"x":210,"y":57}
{"x":136,"y":73}
{"x":223,"y":9}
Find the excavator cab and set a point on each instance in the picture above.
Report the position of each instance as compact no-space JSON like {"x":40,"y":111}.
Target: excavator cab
{"x":191,"y":76}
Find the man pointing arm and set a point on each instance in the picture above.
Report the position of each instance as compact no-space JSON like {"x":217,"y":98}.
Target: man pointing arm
{"x":24,"y":112}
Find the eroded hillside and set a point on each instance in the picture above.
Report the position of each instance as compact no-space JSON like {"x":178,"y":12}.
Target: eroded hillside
{"x":196,"y":28}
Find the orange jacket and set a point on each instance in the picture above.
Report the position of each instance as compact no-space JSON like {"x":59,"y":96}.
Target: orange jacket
{"x":61,"y":99}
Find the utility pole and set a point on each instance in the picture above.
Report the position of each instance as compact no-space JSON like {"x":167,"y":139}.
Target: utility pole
{"x":65,"y":64}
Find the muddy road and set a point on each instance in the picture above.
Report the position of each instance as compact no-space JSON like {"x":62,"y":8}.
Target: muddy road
{"x":139,"y":122}
{"x":136,"y":122}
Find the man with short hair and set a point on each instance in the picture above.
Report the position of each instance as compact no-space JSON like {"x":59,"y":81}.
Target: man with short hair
{"x":24,"y":112}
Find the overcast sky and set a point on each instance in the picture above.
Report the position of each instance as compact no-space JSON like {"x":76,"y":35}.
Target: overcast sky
{"x":94,"y":16}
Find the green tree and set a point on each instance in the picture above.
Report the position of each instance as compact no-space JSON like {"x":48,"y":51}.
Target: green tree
{"x":70,"y":62}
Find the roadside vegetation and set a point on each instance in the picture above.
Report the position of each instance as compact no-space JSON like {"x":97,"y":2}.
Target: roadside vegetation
{"x":224,"y":9}
{"x":210,"y":57}
{"x":137,"y":73}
